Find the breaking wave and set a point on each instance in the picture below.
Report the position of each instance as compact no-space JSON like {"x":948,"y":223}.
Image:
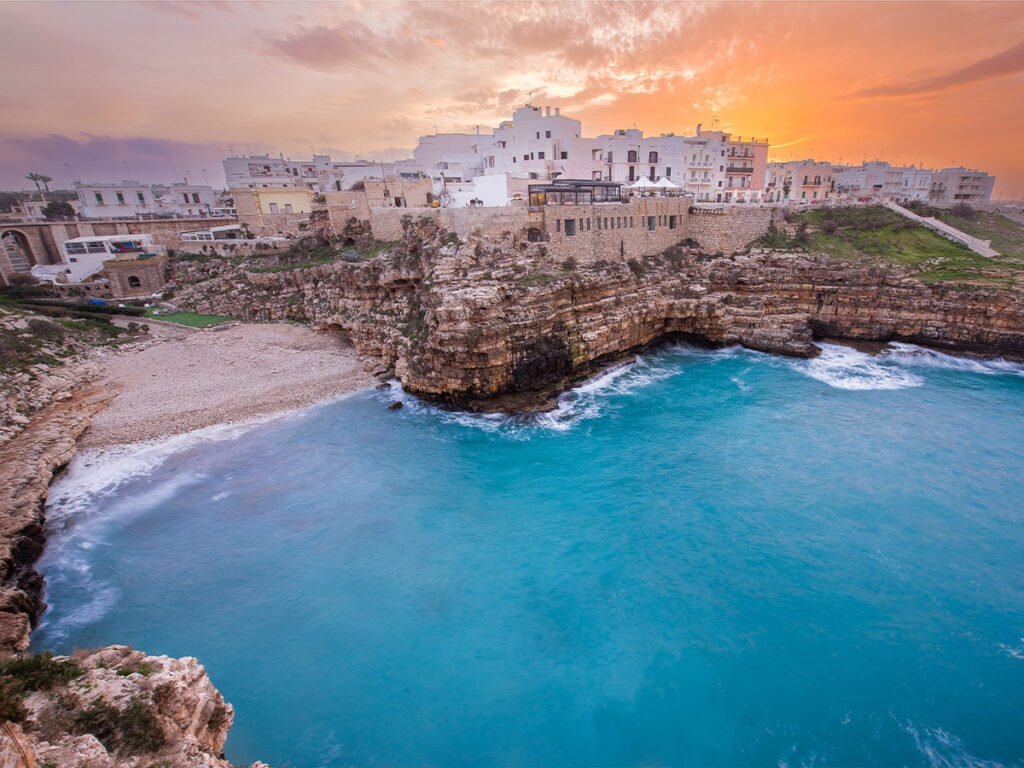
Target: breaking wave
{"x":586,"y":401}
{"x":846,"y":368}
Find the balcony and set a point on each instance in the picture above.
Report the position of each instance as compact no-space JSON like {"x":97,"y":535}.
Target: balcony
{"x":737,"y":169}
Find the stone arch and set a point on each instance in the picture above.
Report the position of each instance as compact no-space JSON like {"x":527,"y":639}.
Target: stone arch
{"x":534,"y":235}
{"x":134,"y":282}
{"x":17,"y":248}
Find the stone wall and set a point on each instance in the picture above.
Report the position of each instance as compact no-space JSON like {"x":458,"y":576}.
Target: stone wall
{"x":151,"y":275}
{"x":642,"y":227}
{"x":728,"y":229}
{"x":262,"y":246}
{"x":386,"y":223}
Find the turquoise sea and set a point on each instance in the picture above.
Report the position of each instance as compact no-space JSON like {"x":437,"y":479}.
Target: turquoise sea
{"x":709,"y":558}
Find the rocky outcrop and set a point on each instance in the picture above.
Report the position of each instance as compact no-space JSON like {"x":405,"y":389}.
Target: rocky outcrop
{"x":27,"y":465}
{"x":123,"y":708}
{"x":474,"y":323}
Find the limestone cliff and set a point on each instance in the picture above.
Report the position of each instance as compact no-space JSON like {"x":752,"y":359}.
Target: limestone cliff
{"x":113,"y":707}
{"x":469,"y":322}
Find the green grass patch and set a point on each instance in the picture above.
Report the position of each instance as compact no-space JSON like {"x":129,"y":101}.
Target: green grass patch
{"x":193,"y":319}
{"x":874,"y":235}
{"x":1007,"y":235}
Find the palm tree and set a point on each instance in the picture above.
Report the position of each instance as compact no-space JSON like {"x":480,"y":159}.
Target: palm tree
{"x":46,"y":181}
{"x":36,"y":178}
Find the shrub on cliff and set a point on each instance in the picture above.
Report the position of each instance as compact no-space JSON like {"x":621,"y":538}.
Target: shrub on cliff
{"x":21,"y":676}
{"x":133,"y":730}
{"x":962,"y":210}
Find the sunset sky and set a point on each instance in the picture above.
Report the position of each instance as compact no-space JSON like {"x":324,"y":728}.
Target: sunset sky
{"x":162,"y":89}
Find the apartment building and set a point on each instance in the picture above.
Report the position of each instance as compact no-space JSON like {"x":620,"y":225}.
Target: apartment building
{"x":801,"y":181}
{"x":126,"y":200}
{"x":320,"y":174}
{"x":540,"y":143}
{"x":961,"y":185}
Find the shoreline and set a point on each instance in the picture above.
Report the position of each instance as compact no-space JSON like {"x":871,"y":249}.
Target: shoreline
{"x":194,"y":380}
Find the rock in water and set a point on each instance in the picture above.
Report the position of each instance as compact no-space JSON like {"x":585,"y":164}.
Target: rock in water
{"x":396,"y":406}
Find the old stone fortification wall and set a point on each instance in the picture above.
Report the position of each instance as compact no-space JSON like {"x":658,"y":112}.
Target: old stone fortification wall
{"x":604,"y":231}
{"x":600,"y":232}
{"x":257,"y":247}
{"x":728,"y":228}
{"x":386,"y":223}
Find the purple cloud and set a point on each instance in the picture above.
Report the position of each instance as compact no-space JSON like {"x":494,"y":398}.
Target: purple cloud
{"x":1009,"y":62}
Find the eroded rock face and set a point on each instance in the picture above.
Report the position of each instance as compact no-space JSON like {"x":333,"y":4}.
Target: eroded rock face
{"x":126,"y":709}
{"x":492,"y":318}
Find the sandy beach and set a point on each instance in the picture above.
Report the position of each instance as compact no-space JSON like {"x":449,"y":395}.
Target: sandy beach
{"x":184,"y":379}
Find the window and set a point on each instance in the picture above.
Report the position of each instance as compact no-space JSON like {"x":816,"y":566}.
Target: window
{"x":596,"y":175}
{"x":134,"y":282}
{"x":672,"y":222}
{"x":652,"y":157}
{"x":609,"y":156}
{"x":565,"y":155}
{"x":588,"y":225}
{"x":142,"y":197}
{"x":570,"y":227}
{"x":540,"y":155}
{"x":99,"y":198}
{"x":650,"y":223}
{"x":631,"y":156}
{"x":652,"y":174}
{"x":630,"y":222}
{"x":558,"y":225}
{"x":605,"y":223}
{"x":120,"y":198}
{"x":618,"y":222}
{"x":632,"y":173}
{"x":273,"y":207}
{"x":287,"y":207}
{"x":668,"y":172}
{"x":538,"y":134}
{"x":195,"y":197}
{"x":547,"y":134}
{"x":185,"y":196}
{"x":803,"y":194}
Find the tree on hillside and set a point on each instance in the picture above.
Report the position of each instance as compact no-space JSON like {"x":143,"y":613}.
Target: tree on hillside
{"x":56,"y":210}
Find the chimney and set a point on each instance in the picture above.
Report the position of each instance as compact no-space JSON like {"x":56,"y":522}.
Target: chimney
{"x":558,"y":111}
{"x":698,"y":129}
{"x":548,"y":113}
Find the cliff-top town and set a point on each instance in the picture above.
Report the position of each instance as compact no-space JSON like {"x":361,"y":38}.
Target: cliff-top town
{"x":510,"y":168}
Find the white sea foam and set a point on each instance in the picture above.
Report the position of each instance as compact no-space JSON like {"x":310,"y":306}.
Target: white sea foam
{"x":910,"y":355}
{"x":586,"y":401}
{"x":944,"y":750}
{"x":1013,"y":651}
{"x":846,"y":368}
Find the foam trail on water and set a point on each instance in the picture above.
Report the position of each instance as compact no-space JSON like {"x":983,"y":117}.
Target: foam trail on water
{"x":944,"y":750}
{"x":911,"y":355}
{"x":846,"y":368}
{"x":586,"y":401}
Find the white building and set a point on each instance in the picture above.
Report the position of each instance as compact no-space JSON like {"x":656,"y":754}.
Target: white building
{"x":183,"y":199}
{"x":961,"y":185}
{"x":83,"y":257}
{"x":126,"y":200}
{"x":539,"y":143}
{"x":321,"y":174}
{"x":807,"y":182}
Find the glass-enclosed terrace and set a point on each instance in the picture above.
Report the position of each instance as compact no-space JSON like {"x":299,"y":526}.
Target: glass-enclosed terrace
{"x":574,"y":192}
